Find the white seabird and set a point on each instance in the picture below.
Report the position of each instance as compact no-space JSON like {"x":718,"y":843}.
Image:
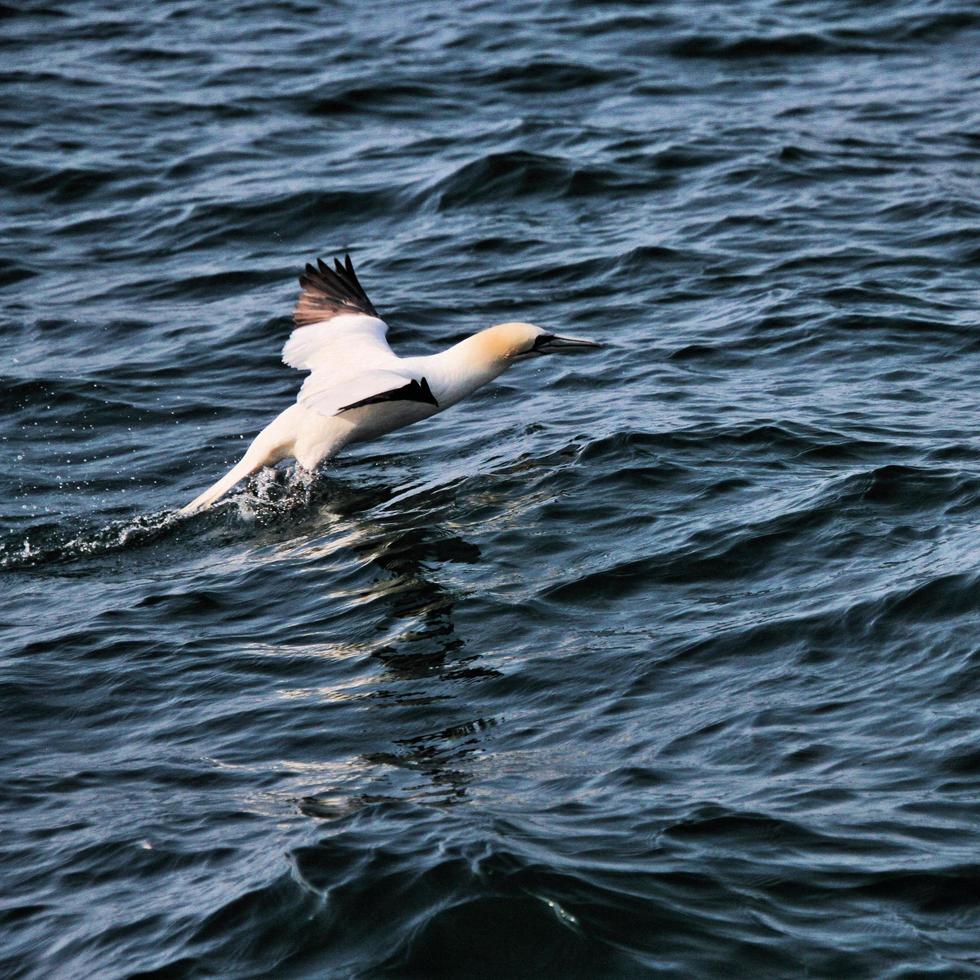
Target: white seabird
{"x":358,"y":387}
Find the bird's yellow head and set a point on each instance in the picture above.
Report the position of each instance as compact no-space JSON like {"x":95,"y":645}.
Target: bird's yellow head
{"x":516,"y":341}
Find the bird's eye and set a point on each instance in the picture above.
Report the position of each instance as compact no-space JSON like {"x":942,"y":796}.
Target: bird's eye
{"x":540,"y":341}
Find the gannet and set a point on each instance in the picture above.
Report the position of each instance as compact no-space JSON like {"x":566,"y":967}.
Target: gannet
{"x":358,"y":388}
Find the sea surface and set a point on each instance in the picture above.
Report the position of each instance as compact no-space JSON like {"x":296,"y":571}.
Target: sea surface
{"x":662,"y":662}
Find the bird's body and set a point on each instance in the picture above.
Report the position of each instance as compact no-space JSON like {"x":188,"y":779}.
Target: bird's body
{"x":358,"y":388}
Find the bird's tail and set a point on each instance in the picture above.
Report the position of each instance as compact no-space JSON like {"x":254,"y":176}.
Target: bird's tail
{"x":273,"y":443}
{"x":246,"y":467}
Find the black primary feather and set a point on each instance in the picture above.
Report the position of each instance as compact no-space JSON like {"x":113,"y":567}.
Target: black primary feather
{"x":414,"y":391}
{"x":327,"y":293}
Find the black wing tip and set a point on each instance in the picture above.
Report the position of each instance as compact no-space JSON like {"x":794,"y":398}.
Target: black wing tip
{"x":414,"y":391}
{"x":327,"y":292}
{"x":426,"y":393}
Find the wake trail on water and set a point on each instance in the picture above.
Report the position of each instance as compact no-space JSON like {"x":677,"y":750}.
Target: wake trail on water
{"x":269,"y":493}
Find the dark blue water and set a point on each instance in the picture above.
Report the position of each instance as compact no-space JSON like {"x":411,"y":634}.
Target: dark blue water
{"x":664,"y":662}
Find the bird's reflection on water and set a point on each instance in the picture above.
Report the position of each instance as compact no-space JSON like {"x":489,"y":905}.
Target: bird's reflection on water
{"x":421,"y":655}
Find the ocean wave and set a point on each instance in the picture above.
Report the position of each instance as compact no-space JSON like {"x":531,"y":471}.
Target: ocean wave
{"x":516,"y":175}
{"x":401,"y":98}
{"x":543,"y":75}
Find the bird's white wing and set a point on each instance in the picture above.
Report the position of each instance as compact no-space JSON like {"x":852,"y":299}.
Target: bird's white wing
{"x":340,"y":339}
{"x":328,"y":395}
{"x":337,"y":328}
{"x":341,"y":345}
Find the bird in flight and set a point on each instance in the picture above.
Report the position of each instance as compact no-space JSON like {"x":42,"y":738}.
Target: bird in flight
{"x":358,"y":388}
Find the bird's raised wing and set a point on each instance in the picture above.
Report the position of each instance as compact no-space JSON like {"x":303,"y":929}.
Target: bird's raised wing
{"x":340,"y":339}
{"x":337,"y":328}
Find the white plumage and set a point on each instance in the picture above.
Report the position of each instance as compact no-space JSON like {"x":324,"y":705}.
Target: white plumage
{"x":358,"y":388}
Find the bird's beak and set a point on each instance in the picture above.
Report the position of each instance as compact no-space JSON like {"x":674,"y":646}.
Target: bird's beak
{"x":551,"y":344}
